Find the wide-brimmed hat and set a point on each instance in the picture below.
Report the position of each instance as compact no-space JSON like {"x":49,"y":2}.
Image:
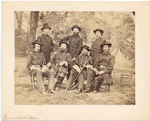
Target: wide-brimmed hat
{"x":106,"y":43}
{"x":76,"y":26}
{"x":86,"y":47}
{"x":45,"y":25}
{"x":37,"y":42}
{"x":100,"y":30}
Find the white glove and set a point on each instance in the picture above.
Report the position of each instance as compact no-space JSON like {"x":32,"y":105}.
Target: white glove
{"x":89,"y":66}
{"x":48,"y":64}
{"x":76,"y":68}
{"x":102,"y":66}
{"x":94,"y":69}
{"x":35,"y":67}
{"x":101,"y":72}
{"x":44,"y":68}
{"x":66,"y":63}
{"x":61,"y":63}
{"x":73,"y":59}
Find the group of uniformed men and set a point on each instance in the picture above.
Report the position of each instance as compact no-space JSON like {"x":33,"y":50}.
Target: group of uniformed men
{"x":76,"y":61}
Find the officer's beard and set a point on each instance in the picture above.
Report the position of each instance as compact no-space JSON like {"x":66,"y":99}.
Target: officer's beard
{"x":63,"y":50}
{"x":84,"y":53}
{"x":105,"y":51}
{"x":99,"y":37}
{"x":75,"y":33}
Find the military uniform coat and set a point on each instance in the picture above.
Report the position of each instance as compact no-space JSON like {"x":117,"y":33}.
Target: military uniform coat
{"x":107,"y":60}
{"x":75,"y":44}
{"x":82,"y":60}
{"x":35,"y":58}
{"x":59,"y":57}
{"x":47,"y":47}
{"x":96,"y":49}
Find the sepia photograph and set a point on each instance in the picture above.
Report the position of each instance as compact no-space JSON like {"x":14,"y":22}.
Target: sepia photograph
{"x":75,"y":60}
{"x":74,"y":57}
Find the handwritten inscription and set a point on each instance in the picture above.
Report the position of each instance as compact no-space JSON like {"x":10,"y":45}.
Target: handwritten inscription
{"x":20,"y":117}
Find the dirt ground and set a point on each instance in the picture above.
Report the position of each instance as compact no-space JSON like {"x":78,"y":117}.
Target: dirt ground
{"x":120,"y":94}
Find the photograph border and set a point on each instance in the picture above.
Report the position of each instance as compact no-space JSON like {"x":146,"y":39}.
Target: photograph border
{"x":140,"y":111}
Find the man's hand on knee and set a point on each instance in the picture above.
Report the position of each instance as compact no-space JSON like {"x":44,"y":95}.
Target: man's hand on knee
{"x":44,"y":68}
{"x":35,"y":67}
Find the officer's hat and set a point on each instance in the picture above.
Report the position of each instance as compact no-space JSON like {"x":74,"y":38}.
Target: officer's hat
{"x":100,"y":30}
{"x":106,"y":43}
{"x":37,"y":42}
{"x":86,"y":47}
{"x":76,"y":26}
{"x":45,"y":25}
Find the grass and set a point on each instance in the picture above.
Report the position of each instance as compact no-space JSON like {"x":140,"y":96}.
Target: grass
{"x":119,"y":95}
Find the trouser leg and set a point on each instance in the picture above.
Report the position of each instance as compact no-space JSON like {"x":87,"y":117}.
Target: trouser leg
{"x":70,"y":81}
{"x":81,"y":81}
{"x":51,"y":81}
{"x":40,"y":83}
{"x":108,"y":87}
{"x":94,"y":55}
{"x":47,"y":57}
{"x":59,"y":81}
{"x":90,"y":78}
{"x":98,"y":82}
{"x":69,"y":70}
{"x":73,"y":75}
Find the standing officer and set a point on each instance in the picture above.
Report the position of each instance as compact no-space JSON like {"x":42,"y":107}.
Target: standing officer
{"x":60,"y":63}
{"x":36,"y":63}
{"x":104,"y":64}
{"x":75,"y":44}
{"x":81,"y":63}
{"x":48,"y":44}
{"x":96,"y":48}
{"x":74,"y":41}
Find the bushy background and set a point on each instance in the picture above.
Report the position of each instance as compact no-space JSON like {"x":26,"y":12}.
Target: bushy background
{"x":119,"y":28}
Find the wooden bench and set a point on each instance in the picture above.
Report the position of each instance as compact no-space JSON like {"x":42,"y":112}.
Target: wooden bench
{"x":126,"y":78}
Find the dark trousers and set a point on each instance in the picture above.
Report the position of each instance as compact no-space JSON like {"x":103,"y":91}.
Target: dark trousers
{"x":59,"y":81}
{"x":69,"y":70}
{"x":94,"y":55}
{"x":73,"y":76}
{"x":47,"y":57}
{"x":98,"y":82}
{"x":92,"y":77}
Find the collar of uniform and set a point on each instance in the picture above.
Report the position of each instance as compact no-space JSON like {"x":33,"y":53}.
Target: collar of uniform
{"x":36,"y":52}
{"x":105,"y":53}
{"x":63,"y":51}
{"x":75,"y":35}
{"x":98,"y":39}
{"x":45,"y":34}
{"x":84,"y":55}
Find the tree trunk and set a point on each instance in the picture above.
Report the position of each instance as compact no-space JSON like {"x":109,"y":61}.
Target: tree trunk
{"x":19,"y":16}
{"x":34,"y":18}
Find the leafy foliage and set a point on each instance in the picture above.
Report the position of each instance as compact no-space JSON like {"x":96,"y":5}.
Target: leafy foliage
{"x":119,"y":28}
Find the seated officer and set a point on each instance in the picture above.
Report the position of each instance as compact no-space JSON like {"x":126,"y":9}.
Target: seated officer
{"x":83,"y":61}
{"x":60,"y":63}
{"x":37,"y":65}
{"x":104,"y":64}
